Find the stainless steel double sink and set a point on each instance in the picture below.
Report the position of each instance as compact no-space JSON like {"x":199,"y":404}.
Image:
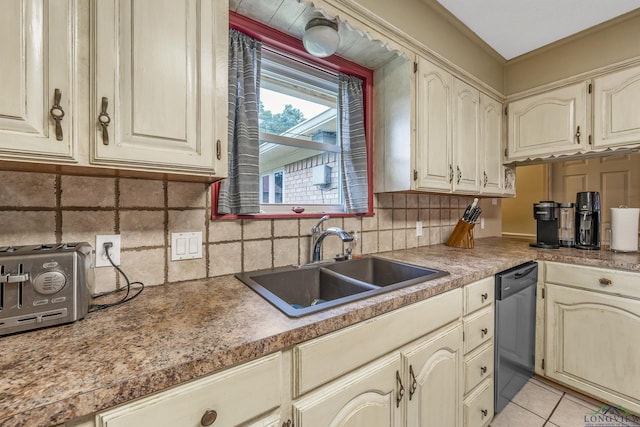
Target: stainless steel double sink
{"x":305,"y":289}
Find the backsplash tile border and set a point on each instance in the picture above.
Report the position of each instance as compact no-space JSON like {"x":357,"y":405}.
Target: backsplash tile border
{"x":259,"y":242}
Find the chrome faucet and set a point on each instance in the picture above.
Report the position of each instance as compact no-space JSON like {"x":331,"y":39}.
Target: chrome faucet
{"x":318,"y":235}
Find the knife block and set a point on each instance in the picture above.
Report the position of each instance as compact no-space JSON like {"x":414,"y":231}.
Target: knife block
{"x":462,"y":235}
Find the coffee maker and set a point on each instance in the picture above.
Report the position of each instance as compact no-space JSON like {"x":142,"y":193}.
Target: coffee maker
{"x":587,"y":220}
{"x":546,"y":215}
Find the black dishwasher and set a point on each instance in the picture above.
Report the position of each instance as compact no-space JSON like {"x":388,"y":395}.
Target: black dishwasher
{"x":515,"y":331}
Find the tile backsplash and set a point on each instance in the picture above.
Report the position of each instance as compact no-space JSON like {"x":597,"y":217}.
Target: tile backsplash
{"x":48,"y":208}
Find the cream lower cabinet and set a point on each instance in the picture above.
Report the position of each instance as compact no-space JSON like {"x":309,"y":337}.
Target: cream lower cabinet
{"x":478,"y":324}
{"x":38,"y":81}
{"x":238,"y":396}
{"x":399,"y":369}
{"x":369,"y":397}
{"x":435,"y":380}
{"x":592,"y":330}
{"x":419,"y":386}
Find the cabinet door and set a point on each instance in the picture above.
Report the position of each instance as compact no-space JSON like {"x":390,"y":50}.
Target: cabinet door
{"x":370,"y":397}
{"x":36,"y":48}
{"x":435,"y":380}
{"x":492,"y":172}
{"x":161,"y":76}
{"x":433,"y":127}
{"x":466,"y":138}
{"x":592,"y":344}
{"x":549,"y":124}
{"x":617,"y":109}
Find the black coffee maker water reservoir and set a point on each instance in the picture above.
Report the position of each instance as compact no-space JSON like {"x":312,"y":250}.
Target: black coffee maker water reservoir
{"x":546,"y":215}
{"x":587,"y":220}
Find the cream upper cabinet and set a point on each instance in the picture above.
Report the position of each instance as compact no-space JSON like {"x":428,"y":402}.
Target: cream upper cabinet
{"x":160,"y":89}
{"x":37,"y":84}
{"x":431,"y":133}
{"x":592,"y":327}
{"x":494,"y":177}
{"x":617,"y":109}
{"x":466,"y":138}
{"x":435,"y":380}
{"x":433,"y":159}
{"x":549,"y":124}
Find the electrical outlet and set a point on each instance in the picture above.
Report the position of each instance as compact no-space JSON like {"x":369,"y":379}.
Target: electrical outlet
{"x":114,"y":251}
{"x":418,"y":228}
{"x":481,"y":223}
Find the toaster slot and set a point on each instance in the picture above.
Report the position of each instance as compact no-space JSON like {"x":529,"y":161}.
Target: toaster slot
{"x":20,"y":286}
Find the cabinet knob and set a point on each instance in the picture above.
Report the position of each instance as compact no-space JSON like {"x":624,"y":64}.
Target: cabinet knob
{"x":484,"y":297}
{"x":208,"y":418}
{"x":484,"y":331}
{"x":483,"y":370}
{"x":605,"y":282}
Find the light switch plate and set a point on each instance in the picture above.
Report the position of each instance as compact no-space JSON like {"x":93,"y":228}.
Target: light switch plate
{"x":186,"y":245}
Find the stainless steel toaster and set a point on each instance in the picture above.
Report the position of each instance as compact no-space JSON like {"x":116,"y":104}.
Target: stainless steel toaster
{"x":44,"y":285}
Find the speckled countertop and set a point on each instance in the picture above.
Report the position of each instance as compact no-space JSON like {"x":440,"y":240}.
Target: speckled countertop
{"x":182,"y":331}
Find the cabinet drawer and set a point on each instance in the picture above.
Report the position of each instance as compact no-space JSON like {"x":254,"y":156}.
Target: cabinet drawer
{"x":478,"y":366}
{"x":331,"y":356}
{"x":479,"y":294}
{"x":593,"y":278}
{"x":478,"y":406}
{"x":478,"y":329}
{"x":237,"y":395}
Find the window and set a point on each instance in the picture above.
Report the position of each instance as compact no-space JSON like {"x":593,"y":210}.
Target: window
{"x":300,"y":149}
{"x":298,"y":134}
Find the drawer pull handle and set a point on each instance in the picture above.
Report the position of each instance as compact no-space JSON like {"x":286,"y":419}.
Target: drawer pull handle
{"x":208,"y":418}
{"x":400,"y":393}
{"x":605,"y":282}
{"x":484,"y":331}
{"x":483,"y":370}
{"x":484,"y":412}
{"x":414,"y":382}
{"x":287,"y":423}
{"x":484,"y":297}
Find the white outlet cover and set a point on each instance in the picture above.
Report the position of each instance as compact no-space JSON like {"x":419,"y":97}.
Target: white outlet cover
{"x":101,"y":258}
{"x":186,"y":245}
{"x":418,"y":228}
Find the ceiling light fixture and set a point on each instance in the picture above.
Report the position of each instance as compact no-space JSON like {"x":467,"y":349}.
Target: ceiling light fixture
{"x":321,"y":37}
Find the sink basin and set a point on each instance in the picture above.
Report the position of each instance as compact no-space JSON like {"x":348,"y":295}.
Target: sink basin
{"x":301,"y":290}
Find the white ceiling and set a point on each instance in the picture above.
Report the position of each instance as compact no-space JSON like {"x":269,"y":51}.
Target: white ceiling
{"x":515,"y":27}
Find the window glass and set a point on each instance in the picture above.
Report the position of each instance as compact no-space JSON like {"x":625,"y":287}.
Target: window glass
{"x":299,"y":142}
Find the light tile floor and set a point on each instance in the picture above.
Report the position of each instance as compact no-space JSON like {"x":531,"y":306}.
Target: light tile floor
{"x":540,"y":404}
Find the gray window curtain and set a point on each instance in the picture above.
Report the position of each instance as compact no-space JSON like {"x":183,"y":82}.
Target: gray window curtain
{"x":354,"y":145}
{"x":239,"y":193}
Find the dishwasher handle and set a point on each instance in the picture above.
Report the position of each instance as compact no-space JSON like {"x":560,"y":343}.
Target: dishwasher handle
{"x":521,"y":274}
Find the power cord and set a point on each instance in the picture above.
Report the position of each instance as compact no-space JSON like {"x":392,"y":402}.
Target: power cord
{"x":127,"y":289}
